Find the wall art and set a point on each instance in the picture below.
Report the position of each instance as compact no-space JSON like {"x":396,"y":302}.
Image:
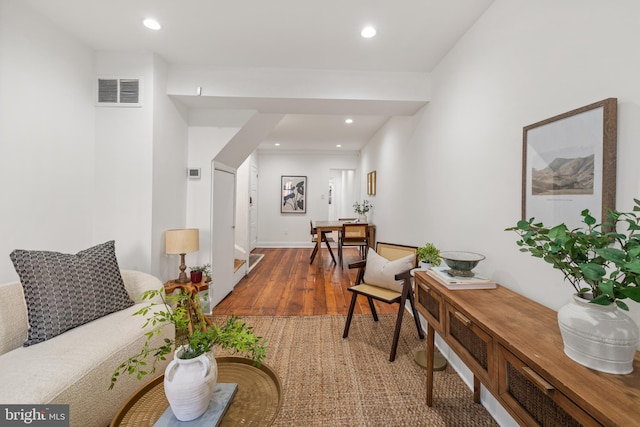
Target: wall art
{"x":569,"y":164}
{"x":293,"y":194}
{"x":371,"y":183}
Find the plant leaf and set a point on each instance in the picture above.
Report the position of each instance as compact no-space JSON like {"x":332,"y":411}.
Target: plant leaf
{"x":592,"y":271}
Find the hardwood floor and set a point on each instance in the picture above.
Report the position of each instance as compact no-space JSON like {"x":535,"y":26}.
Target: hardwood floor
{"x":285,"y":284}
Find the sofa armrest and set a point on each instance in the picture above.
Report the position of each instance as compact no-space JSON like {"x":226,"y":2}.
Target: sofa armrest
{"x":13,"y":317}
{"x":137,"y":282}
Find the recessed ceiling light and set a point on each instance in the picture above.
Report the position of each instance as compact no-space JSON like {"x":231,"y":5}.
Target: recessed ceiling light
{"x":338,"y":145}
{"x":348,"y":121}
{"x":368,"y":32}
{"x":277,"y":144}
{"x":152,"y":24}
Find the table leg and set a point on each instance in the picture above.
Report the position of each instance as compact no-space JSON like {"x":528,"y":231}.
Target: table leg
{"x":430,"y":357}
{"x":476,"y":389}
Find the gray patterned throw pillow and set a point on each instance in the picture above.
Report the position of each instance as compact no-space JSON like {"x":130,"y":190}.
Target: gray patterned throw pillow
{"x":63,"y":291}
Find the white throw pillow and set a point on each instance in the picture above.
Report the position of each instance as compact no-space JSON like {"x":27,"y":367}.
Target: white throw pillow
{"x":381,"y":272}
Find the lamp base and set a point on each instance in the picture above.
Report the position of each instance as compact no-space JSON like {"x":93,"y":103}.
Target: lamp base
{"x":182,"y":278}
{"x":439,"y":362}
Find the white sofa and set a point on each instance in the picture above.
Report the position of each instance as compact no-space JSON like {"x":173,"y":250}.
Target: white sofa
{"x":75,"y":367}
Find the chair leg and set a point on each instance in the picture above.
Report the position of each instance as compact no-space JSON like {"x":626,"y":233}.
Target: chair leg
{"x":396,"y":334}
{"x":328,"y":247}
{"x":373,"y":309}
{"x":340,"y":252}
{"x":350,"y":315}
{"x":313,"y":254}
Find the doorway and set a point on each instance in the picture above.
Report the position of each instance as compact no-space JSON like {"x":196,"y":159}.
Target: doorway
{"x":343,"y":190}
{"x":223,"y":228}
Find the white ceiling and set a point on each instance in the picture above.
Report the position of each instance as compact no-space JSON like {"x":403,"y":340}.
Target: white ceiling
{"x":413,"y":35}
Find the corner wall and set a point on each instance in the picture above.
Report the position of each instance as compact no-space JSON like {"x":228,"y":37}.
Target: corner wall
{"x":458,"y":182}
{"x":46,"y":137}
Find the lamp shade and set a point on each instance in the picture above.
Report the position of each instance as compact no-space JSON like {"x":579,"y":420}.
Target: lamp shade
{"x":182,"y":241}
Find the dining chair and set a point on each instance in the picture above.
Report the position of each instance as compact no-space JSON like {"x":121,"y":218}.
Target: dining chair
{"x":385,"y":276}
{"x":324,"y":238}
{"x":354,"y":234}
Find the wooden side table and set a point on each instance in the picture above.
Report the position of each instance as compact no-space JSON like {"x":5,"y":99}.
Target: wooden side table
{"x":256,"y":403}
{"x":194,"y":308}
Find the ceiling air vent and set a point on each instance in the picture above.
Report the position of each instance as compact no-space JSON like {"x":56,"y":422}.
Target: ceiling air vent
{"x":113,"y":92}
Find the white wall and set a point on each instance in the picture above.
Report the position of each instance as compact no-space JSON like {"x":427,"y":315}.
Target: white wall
{"x":76,"y":174}
{"x":292,"y":230}
{"x":458,"y":182}
{"x":46,"y":137}
{"x":169,"y":185}
{"x":124,"y":163}
{"x":204,"y":143}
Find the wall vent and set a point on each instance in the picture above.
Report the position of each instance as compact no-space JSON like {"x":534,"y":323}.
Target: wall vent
{"x":194,"y":173}
{"x":115,"y":92}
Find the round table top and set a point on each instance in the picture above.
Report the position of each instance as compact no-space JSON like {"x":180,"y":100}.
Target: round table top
{"x":256,"y":402}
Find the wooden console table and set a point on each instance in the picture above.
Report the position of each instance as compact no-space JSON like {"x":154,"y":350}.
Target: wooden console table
{"x":513,"y":347}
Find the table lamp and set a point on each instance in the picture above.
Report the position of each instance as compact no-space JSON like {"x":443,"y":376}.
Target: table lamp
{"x":182,"y":241}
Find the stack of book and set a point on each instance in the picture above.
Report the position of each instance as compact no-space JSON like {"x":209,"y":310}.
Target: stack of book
{"x":441,"y":274}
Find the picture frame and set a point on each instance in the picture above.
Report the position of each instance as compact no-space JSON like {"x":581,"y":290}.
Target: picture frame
{"x":569,"y":164}
{"x":293,"y":194}
{"x":371,"y":183}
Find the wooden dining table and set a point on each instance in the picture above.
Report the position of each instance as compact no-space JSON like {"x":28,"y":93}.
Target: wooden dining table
{"x":329,"y":226}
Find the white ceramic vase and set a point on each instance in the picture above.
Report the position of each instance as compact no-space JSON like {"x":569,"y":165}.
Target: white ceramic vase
{"x":600,"y":337}
{"x":425,"y":265}
{"x":362,"y":218}
{"x":189,"y":385}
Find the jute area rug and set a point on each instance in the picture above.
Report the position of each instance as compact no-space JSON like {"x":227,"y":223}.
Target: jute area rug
{"x":330,"y":381}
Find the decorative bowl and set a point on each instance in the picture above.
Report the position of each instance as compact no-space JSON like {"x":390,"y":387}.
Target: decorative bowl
{"x":461,"y":263}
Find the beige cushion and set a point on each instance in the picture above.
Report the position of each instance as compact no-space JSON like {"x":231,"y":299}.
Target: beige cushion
{"x":381,"y":272}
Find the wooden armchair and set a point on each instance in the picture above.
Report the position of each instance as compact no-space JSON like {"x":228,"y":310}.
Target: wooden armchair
{"x":389,"y":282}
{"x":324,"y":238}
{"x":354,"y":234}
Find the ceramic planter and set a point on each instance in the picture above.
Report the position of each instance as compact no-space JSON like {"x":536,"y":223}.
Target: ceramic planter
{"x":425,"y":265}
{"x":189,"y":385}
{"x":600,"y":337}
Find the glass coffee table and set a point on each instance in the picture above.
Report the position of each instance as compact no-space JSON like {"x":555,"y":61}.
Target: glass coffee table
{"x":256,"y":402}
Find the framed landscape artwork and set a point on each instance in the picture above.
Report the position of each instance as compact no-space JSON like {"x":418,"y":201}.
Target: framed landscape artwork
{"x":293,"y":194}
{"x":569,"y":164}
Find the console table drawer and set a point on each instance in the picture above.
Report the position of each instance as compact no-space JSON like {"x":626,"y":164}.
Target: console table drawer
{"x":472,"y":343}
{"x":430,"y":305}
{"x":534,"y":400}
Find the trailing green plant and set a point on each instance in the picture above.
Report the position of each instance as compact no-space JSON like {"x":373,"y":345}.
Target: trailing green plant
{"x":192,"y":338}
{"x":604,"y":256}
{"x":429,"y":254}
{"x":362,"y":208}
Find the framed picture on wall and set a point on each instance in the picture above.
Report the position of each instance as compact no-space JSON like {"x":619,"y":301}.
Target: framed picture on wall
{"x":569,"y":164}
{"x":293,"y":194}
{"x":371,"y":183}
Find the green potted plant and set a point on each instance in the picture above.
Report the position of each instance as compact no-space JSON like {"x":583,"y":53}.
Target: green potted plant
{"x":362,"y":208}
{"x":602,"y":263}
{"x":195,"y":339}
{"x":429,"y":255}
{"x":200,"y":271}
